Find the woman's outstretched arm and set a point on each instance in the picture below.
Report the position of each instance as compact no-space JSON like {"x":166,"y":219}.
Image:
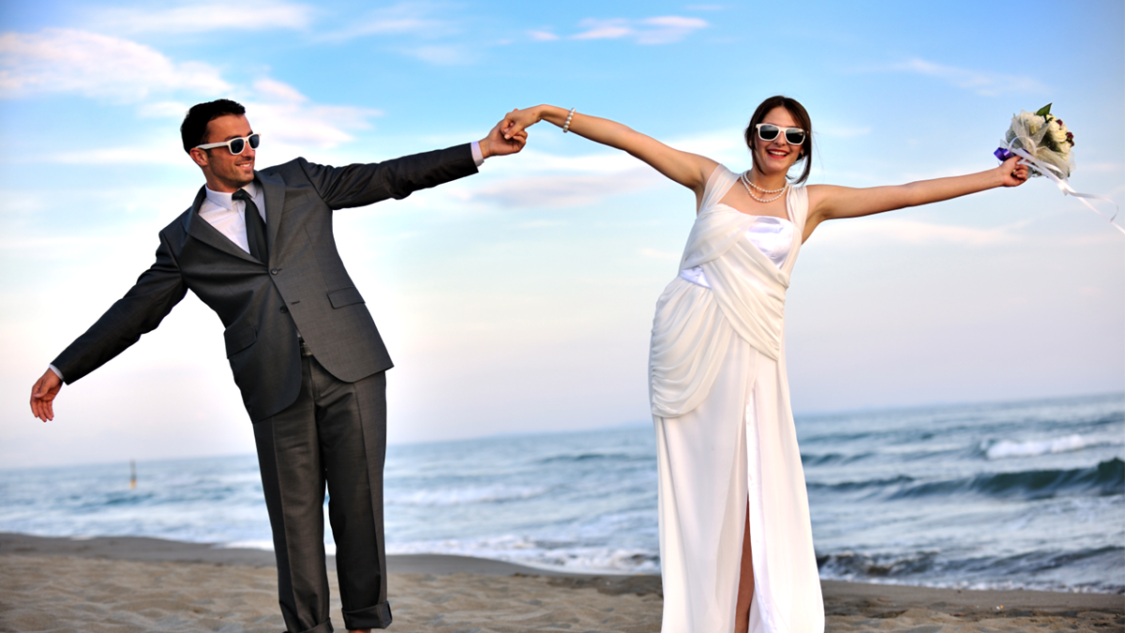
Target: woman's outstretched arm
{"x":689,"y":170}
{"x":828,"y":202}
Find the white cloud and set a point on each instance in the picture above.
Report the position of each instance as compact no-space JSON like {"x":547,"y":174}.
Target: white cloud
{"x":443,"y":55}
{"x":286,"y":117}
{"x":389,"y":26}
{"x":278,"y":91}
{"x":652,"y":253}
{"x":288,"y":121}
{"x":982,"y":82}
{"x":138,"y":155}
{"x":1103,"y":167}
{"x":603,"y":29}
{"x":913,"y":232}
{"x":543,"y":36}
{"x":841,"y":131}
{"x":541,"y":224}
{"x":725,"y":146}
{"x":668,"y":29}
{"x":66,"y":60}
{"x":406,"y":18}
{"x":655,"y":30}
{"x":164,"y":109}
{"x":554,"y":191}
{"x":411,"y":29}
{"x":605,"y":162}
{"x":249,"y":15}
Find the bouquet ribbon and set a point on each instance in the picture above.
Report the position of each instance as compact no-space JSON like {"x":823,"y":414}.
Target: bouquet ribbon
{"x":1054,"y":174}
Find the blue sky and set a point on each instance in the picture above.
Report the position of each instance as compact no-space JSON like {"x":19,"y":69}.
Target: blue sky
{"x":521,"y":298}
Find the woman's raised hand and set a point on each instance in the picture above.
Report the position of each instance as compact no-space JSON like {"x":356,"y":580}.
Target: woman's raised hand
{"x":1014,"y":172}
{"x":498,"y":143}
{"x":518,"y":120}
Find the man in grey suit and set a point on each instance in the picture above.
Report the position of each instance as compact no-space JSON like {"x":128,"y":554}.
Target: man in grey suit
{"x":257,"y":248}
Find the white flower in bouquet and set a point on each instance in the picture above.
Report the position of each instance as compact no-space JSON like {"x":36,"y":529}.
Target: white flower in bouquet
{"x":1044,"y":137}
{"x":1061,"y":138}
{"x":1031,"y":122}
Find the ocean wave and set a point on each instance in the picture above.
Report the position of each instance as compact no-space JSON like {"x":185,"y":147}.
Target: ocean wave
{"x":1107,"y":478}
{"x":813,"y":459}
{"x":852,"y":486}
{"x":541,"y":553}
{"x":1032,"y":448}
{"x":588,"y":457}
{"x":1028,"y":570}
{"x":457,"y":496}
{"x":261,"y":544}
{"x":852,"y":566}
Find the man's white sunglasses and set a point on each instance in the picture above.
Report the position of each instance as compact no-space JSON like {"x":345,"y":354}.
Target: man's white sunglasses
{"x":769,"y":131}
{"x":235,"y":145}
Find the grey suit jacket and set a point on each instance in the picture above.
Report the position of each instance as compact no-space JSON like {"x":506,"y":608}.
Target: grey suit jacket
{"x":304,"y":286}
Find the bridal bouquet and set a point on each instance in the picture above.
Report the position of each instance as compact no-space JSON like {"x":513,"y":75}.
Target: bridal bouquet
{"x":1041,"y":136}
{"x":1043,"y":143}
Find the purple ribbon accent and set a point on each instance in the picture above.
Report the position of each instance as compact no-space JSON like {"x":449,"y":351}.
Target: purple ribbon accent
{"x":1003,"y":153}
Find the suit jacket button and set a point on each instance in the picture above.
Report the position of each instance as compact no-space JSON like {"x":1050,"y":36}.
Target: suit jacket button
{"x":275,"y":271}
{"x":284,"y":310}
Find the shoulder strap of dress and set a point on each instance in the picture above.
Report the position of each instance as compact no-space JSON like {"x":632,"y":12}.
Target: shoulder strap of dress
{"x":718,"y":184}
{"x":798,"y":201}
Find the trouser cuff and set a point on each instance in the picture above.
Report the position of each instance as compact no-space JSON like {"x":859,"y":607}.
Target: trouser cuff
{"x":374,"y":617}
{"x":323,"y":627}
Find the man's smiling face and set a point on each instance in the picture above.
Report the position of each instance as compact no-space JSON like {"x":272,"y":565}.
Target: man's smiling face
{"x":225,"y":171}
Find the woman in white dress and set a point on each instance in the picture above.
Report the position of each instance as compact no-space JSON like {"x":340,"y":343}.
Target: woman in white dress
{"x":736,"y":545}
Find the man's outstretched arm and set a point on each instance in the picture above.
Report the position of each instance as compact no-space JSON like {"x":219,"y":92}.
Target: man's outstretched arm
{"x":362,"y":184}
{"x":156,"y":292}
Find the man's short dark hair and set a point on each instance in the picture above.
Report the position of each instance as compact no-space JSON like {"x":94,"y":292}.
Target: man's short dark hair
{"x":193,"y":131}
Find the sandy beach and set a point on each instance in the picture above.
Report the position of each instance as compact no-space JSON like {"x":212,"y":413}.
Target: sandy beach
{"x":122,"y":584}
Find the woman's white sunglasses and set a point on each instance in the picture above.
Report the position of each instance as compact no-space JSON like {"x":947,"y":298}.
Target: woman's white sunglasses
{"x":235,"y":145}
{"x":769,"y":131}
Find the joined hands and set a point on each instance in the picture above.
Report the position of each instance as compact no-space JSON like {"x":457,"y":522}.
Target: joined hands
{"x":500,"y":143}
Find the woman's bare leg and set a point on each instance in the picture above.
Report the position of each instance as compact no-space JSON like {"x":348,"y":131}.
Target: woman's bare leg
{"x":745,"y":582}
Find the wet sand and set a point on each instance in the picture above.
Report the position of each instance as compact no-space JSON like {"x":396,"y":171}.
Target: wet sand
{"x":124,"y":584}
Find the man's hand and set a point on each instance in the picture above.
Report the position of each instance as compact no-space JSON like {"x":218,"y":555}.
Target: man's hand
{"x":495,"y":144}
{"x":42,"y":395}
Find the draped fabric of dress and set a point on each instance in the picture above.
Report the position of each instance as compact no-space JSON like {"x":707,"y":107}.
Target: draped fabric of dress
{"x":725,"y":438}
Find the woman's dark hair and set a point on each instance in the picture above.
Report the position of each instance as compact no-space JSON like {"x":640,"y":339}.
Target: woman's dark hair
{"x":799,"y":113}
{"x":194,"y":128}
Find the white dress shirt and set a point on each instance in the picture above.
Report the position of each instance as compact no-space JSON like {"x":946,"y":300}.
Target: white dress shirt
{"x":228,"y":215}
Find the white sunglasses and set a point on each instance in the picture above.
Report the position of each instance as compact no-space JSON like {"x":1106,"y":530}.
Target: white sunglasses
{"x":235,"y":145}
{"x":768,"y":132}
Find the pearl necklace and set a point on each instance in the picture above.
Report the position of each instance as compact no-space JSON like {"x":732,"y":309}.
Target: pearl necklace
{"x":745,"y":180}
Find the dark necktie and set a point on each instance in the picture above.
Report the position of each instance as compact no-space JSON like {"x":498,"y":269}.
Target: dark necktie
{"x":255,"y":227}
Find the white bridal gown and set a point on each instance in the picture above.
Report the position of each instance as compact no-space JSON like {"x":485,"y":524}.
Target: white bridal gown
{"x":724,"y":427}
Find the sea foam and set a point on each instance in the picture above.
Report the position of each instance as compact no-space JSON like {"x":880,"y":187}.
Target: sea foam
{"x":1032,"y":448}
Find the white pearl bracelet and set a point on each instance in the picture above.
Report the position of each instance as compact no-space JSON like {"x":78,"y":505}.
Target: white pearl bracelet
{"x":566,"y":126}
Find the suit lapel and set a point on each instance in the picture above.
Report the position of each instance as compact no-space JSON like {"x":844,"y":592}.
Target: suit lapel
{"x":275,"y":202}
{"x":202,"y":230}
